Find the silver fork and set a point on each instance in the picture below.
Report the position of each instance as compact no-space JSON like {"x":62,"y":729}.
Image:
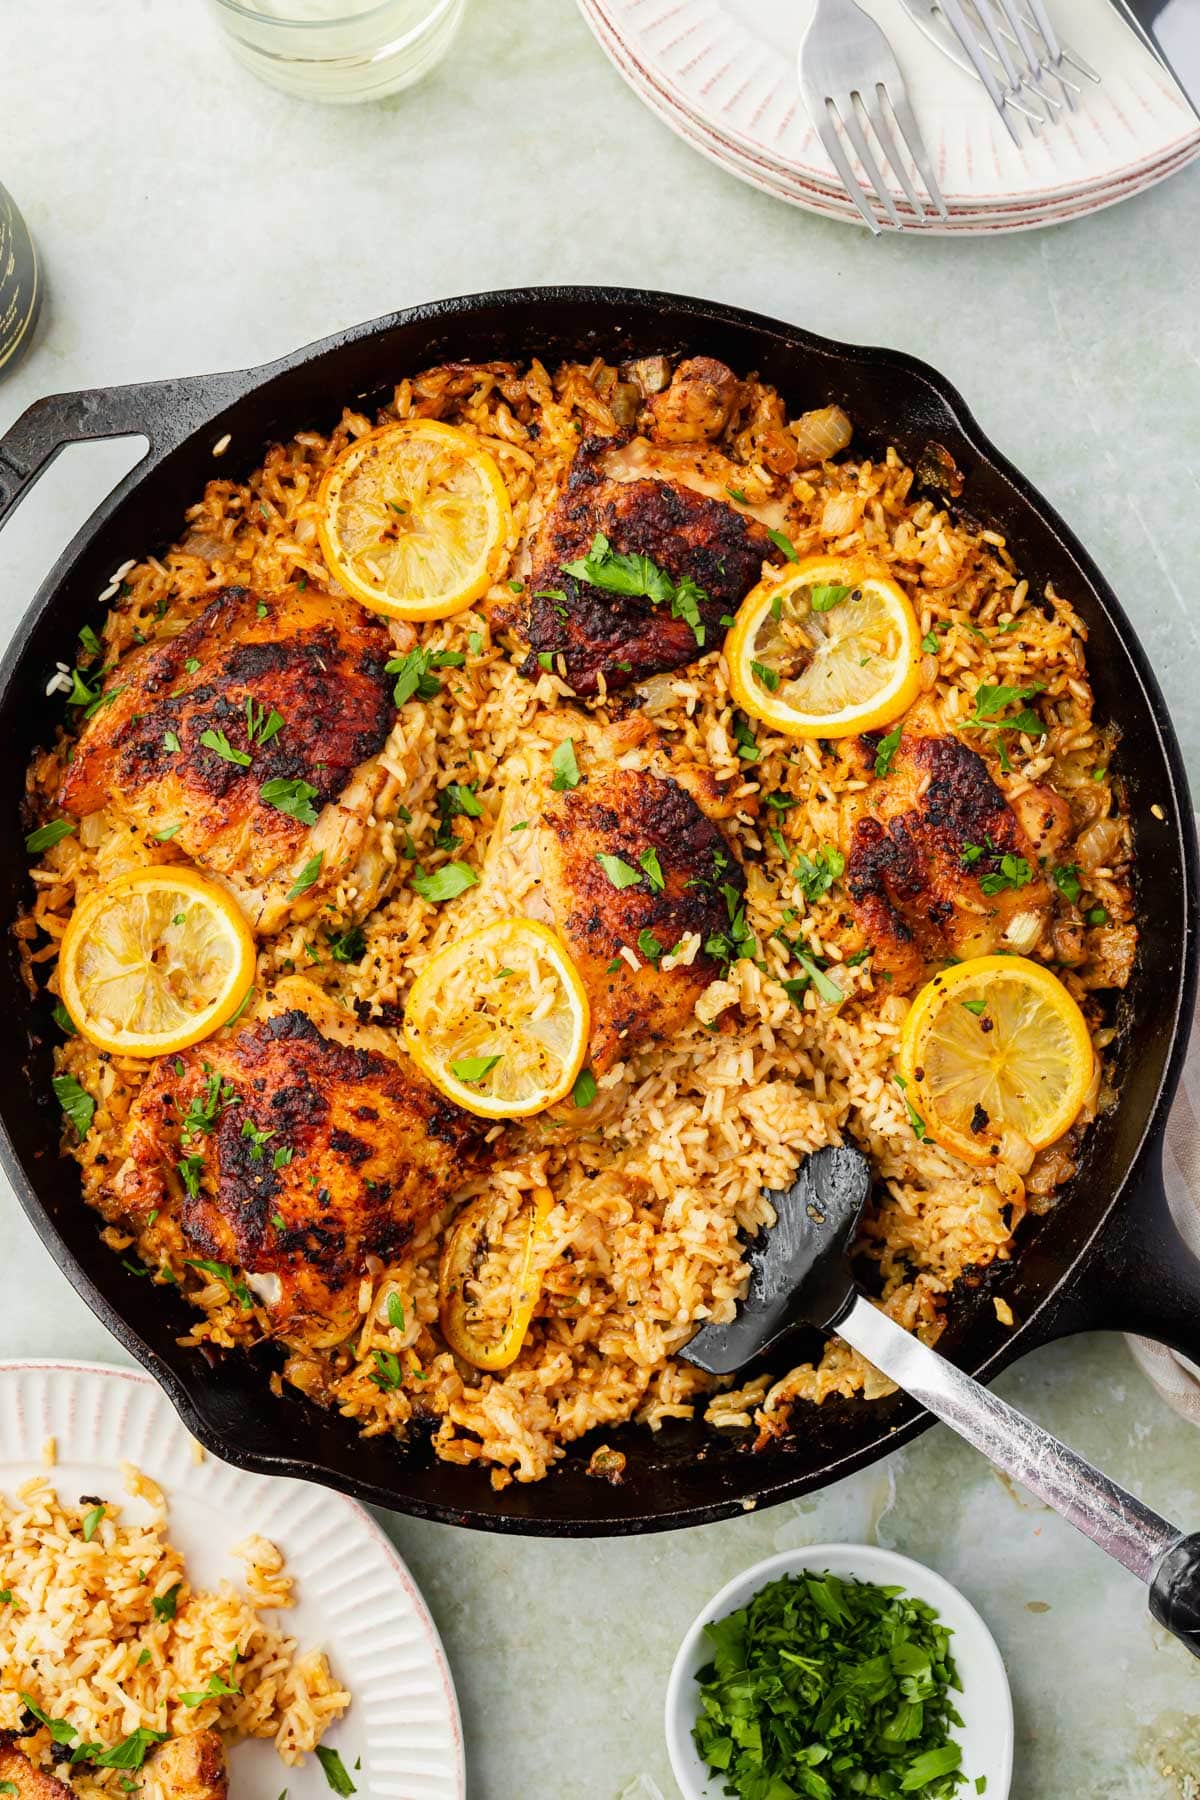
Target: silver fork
{"x":850,"y":79}
{"x":1011,"y":47}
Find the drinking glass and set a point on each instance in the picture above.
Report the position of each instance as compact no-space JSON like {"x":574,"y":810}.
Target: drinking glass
{"x":339,"y":50}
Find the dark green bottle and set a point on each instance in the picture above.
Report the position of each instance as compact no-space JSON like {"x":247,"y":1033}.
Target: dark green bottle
{"x":20,"y":284}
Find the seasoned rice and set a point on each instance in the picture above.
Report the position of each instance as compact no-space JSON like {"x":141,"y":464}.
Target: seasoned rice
{"x":657,"y":1192}
{"x":106,"y":1632}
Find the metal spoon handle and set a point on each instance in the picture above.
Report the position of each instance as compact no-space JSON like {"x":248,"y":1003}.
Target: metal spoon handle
{"x":1095,"y":1505}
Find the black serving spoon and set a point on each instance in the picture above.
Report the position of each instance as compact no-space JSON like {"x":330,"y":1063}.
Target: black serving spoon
{"x":800,"y":1275}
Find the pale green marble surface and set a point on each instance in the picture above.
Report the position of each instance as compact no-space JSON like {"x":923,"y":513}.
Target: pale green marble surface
{"x":191,"y":219}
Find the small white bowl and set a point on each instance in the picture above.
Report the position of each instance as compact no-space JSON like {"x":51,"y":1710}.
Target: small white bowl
{"x":985,"y":1702}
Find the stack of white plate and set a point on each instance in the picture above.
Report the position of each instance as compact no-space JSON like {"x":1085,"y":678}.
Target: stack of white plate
{"x":722,"y":73}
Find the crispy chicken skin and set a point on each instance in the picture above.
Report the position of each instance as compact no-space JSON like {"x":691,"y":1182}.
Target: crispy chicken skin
{"x":627,"y":813}
{"x":191,"y":1768}
{"x":323,"y":1145}
{"x":683,"y":530}
{"x":27,"y":1782}
{"x":314,"y":659}
{"x":920,"y":841}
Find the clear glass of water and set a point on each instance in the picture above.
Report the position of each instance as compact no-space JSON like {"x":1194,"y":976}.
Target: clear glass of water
{"x":339,"y":50}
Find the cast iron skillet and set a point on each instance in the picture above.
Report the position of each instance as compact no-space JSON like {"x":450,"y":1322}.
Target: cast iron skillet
{"x":1108,"y":1256}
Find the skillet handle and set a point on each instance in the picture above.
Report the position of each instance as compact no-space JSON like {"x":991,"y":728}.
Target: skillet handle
{"x":165,"y":412}
{"x":1144,"y":1276}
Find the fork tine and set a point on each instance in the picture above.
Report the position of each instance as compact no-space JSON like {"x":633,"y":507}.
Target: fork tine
{"x":866,"y":156}
{"x":873,"y":105}
{"x":906,"y":123}
{"x":986,"y":18}
{"x":979,"y":62}
{"x":827,"y":132}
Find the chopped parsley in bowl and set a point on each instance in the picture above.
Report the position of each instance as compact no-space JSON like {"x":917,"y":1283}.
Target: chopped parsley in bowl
{"x":838,"y":1672}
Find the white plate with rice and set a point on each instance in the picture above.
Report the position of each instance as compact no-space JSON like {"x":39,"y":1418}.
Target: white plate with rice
{"x":78,"y":1425}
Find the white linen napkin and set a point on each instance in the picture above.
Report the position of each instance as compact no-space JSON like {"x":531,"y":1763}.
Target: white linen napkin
{"x":1177,"y":1379}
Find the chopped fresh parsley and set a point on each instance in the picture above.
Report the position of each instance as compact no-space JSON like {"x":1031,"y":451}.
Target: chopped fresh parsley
{"x":165,"y":1605}
{"x":914,"y":1118}
{"x":335,"y":1770}
{"x":1097,"y":916}
{"x":747,"y":746}
{"x":260,"y":730}
{"x":566,"y":769}
{"x":827,"y":595}
{"x":739,"y":940}
{"x":781,"y":802}
{"x":829,"y":1688}
{"x":978,"y":1007}
{"x":171,"y":742}
{"x":60,"y":1730}
{"x":166,"y":834}
{"x":1014,"y":872}
{"x":395,"y":1312}
{"x":348,"y":946}
{"x":929,"y":643}
{"x":619,"y":873}
{"x":815,"y":875}
{"x":738,"y":495}
{"x":75,"y":1101}
{"x":223,"y":1273}
{"x":618,"y":573}
{"x":412,"y":672}
{"x":782,"y":542}
{"x":649,"y":946}
{"x":387,"y":1374}
{"x":62,"y":1019}
{"x":220,"y":744}
{"x":813,"y":976}
{"x":90,"y":642}
{"x":768,"y":677}
{"x":92,"y":1521}
{"x":293,"y":797}
{"x":649,"y":863}
{"x":46,"y":836}
{"x":886,"y":749}
{"x":991,"y":700}
{"x":1066,"y":880}
{"x":446,"y":883}
{"x":258,"y":1139}
{"x":584,"y":1091}
{"x":971,"y":854}
{"x":307,"y":875}
{"x":217,"y":1687}
{"x":474,"y":1068}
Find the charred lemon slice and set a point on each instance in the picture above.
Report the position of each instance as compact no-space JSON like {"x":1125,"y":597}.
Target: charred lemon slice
{"x":499,"y":1020}
{"x":414,"y":519}
{"x":996,"y":1058}
{"x":486,"y":1320}
{"x":155,"y":961}
{"x":826,"y":651}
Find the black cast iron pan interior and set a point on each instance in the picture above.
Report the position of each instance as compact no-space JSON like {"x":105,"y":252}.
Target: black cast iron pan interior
{"x":1108,"y":1256}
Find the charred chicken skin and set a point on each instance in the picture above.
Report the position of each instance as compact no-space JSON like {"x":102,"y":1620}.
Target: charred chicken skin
{"x":939,"y":864}
{"x":294,"y":1148}
{"x":254,"y":704}
{"x":689,"y":881}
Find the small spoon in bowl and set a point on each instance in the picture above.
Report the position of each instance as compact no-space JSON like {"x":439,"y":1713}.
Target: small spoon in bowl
{"x":800,"y":1275}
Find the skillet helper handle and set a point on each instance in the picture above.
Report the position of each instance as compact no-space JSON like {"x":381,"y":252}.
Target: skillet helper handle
{"x":165,"y":412}
{"x":1149,"y":1546}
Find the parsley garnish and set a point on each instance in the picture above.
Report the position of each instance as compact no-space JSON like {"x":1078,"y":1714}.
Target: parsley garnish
{"x":307,"y":875}
{"x":294,"y":798}
{"x":218,"y":742}
{"x":75,"y":1101}
{"x":747,"y":747}
{"x":165,"y":1605}
{"x":1066,"y":880}
{"x":1014,"y":872}
{"x":813,"y":975}
{"x":258,"y":730}
{"x":618,"y":872}
{"x":784,"y":543}
{"x":648,"y":861}
{"x":829,"y":1688}
{"x":978,"y":1007}
{"x":886,"y":749}
{"x":223,"y":1273}
{"x":412,"y":673}
{"x":584,"y":1091}
{"x":474,"y":1068}
{"x":768,"y":677}
{"x":445,"y":883}
{"x":166,"y":834}
{"x":566,"y":769}
{"x":335,"y":1771}
{"x":387,"y":1374}
{"x":826,"y":595}
{"x":349,"y":946}
{"x":649,"y":946}
{"x":92,"y":1521}
{"x":914,"y":1117}
{"x":815,"y":875}
{"x":639,"y":577}
{"x":395,"y":1312}
{"x":1097,"y":916}
{"x":46,"y":836}
{"x":171,"y":742}
{"x":258,"y":1139}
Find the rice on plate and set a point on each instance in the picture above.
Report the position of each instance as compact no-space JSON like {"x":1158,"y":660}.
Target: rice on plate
{"x":644,"y":1183}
